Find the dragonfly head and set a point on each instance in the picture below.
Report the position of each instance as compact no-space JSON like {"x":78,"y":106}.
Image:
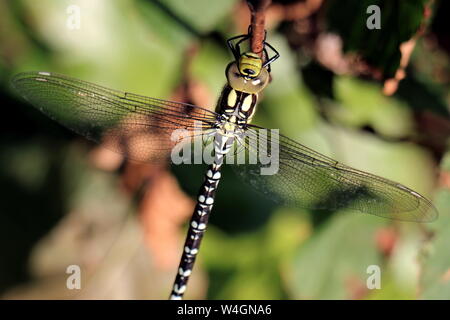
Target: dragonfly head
{"x":248,"y":74}
{"x":250,"y":65}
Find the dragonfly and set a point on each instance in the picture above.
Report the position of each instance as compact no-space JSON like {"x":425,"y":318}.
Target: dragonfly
{"x":142,"y":129}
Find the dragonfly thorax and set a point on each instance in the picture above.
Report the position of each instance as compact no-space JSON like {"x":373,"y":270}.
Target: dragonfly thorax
{"x":237,"y":107}
{"x":231,"y":125}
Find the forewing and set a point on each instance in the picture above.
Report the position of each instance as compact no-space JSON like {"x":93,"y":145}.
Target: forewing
{"x":141,"y":128}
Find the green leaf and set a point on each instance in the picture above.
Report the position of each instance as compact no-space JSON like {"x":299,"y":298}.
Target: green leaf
{"x":400,"y":20}
{"x":435,"y":278}
{"x":203,"y":15}
{"x":336,"y":259}
{"x":364,"y":104}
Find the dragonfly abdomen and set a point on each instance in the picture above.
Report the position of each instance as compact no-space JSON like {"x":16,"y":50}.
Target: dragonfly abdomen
{"x":199,"y":220}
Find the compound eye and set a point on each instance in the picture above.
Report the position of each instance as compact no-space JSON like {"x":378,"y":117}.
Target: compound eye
{"x":240,"y":82}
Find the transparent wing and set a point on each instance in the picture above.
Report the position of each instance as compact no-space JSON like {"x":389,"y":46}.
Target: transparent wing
{"x":141,"y":128}
{"x":308,"y":179}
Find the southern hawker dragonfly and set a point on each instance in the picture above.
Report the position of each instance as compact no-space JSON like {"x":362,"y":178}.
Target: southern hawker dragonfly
{"x":142,"y":129}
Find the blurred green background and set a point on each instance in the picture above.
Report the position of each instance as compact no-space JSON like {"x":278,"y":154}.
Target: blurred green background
{"x":65,"y":201}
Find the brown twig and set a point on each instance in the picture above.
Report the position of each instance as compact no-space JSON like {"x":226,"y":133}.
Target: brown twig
{"x":258,"y":18}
